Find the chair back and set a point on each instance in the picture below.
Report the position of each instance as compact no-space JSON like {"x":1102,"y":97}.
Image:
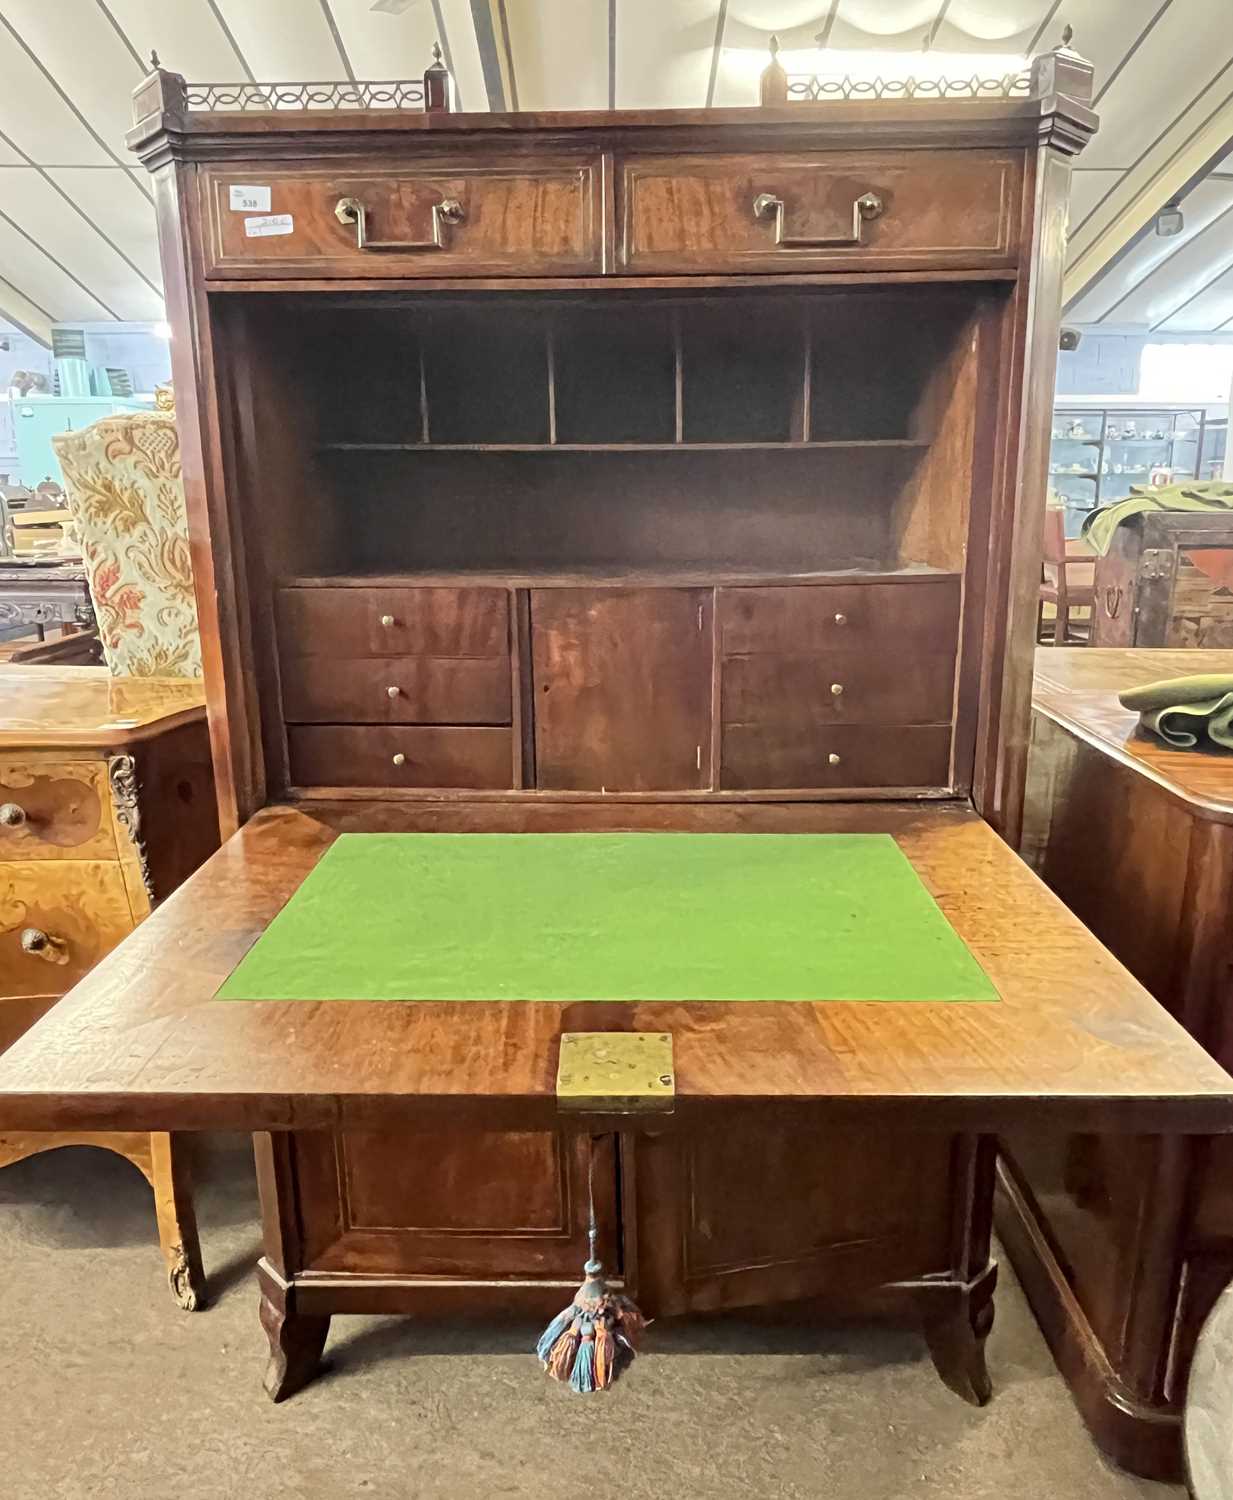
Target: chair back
{"x":122,"y":477}
{"x":1055,"y":534}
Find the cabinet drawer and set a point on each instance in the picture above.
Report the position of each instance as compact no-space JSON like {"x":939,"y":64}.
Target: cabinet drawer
{"x":51,"y":810}
{"x":785,"y":755}
{"x":397,"y":690}
{"x":528,"y":219}
{"x":818,"y":689}
{"x":772,"y":213}
{"x":57,"y":919}
{"x":345,"y":622}
{"x":840,"y":617}
{"x":430,"y":757}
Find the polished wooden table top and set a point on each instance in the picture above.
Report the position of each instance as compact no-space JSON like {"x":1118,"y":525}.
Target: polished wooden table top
{"x":86,"y":706}
{"x":141,"y":1043}
{"x":1078,"y":687}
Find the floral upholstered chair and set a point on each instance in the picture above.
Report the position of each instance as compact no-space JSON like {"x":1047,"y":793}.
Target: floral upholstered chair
{"x":122,"y":475}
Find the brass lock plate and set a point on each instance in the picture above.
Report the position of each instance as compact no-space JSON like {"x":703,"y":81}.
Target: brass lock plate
{"x":616,"y":1072}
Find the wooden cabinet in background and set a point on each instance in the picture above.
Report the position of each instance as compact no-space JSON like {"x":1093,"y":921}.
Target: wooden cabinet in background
{"x":106,"y":805}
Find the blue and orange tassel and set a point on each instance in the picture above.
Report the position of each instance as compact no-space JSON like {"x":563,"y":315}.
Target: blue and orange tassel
{"x":589,"y":1343}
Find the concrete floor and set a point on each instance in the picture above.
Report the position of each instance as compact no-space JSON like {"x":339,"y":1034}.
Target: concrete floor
{"x":106,"y":1390}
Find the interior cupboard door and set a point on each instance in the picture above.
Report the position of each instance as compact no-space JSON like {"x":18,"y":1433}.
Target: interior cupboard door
{"x":622,"y":688}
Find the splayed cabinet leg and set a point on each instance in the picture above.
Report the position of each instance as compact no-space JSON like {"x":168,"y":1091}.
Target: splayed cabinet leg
{"x":296,"y":1339}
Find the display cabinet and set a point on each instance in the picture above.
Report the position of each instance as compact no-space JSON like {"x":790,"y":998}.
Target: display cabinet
{"x":1096,"y":455}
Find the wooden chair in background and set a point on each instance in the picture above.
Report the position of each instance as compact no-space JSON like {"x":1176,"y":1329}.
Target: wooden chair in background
{"x":1067,"y":581}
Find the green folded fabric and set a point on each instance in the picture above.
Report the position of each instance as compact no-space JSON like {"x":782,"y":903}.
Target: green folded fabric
{"x":1201,"y":495}
{"x":1183,"y":710}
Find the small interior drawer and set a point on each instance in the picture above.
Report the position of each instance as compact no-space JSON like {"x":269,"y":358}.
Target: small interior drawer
{"x":51,"y":810}
{"x":396,"y":690}
{"x":414,"y":756}
{"x":785,"y":755}
{"x":527,"y":218}
{"x":817,"y":689}
{"x":57,"y":919}
{"x":818,"y":211}
{"x":920,"y":615}
{"x":388,"y":622}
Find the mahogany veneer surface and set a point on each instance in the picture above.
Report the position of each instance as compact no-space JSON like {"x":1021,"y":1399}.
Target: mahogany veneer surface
{"x":1075,"y":1040}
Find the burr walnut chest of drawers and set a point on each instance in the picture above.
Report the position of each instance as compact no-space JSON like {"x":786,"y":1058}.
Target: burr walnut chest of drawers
{"x":106,"y":804}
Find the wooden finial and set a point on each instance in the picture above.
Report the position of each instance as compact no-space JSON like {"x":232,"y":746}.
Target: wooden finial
{"x":773,"y":85}
{"x":154,"y":62}
{"x":437,"y":84}
{"x":1063,"y":71}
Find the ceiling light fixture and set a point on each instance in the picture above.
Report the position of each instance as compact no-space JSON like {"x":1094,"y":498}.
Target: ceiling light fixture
{"x":1170,"y":220}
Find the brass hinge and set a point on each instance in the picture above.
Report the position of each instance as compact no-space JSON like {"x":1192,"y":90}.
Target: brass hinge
{"x":616,"y":1072}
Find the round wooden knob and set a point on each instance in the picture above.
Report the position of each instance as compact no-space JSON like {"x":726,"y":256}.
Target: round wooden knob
{"x":841,"y":619}
{"x":392,"y":692}
{"x":12,"y":814}
{"x":387,"y":620}
{"x":399,"y":759}
{"x":836,"y":689}
{"x":833,"y":759}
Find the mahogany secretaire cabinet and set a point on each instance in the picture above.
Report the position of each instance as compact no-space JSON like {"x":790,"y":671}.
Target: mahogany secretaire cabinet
{"x":617,"y":469}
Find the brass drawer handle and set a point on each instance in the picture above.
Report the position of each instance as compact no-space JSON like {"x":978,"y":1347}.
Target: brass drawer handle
{"x":836,"y":689}
{"x":388,"y":621}
{"x":392,"y":692}
{"x":352,"y":211}
{"x":399,"y":759}
{"x":12,"y":814}
{"x":832,"y":759}
{"x":40,"y":944}
{"x":841,"y":619}
{"x":867,"y":206}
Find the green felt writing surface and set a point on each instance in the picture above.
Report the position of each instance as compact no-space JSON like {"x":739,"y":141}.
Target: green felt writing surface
{"x":610,"y":916}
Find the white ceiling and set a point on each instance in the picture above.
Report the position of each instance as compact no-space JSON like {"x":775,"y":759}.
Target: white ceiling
{"x":77,"y":238}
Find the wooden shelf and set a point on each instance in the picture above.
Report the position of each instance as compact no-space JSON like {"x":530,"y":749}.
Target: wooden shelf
{"x":839,"y":444}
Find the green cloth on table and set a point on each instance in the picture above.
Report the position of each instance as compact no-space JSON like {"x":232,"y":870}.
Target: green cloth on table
{"x":1198,"y":495}
{"x":1182,"y":710}
{"x":610,"y":916}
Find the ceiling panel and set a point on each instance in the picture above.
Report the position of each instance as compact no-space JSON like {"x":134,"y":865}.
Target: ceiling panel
{"x":1116,"y":294}
{"x":383,"y":46}
{"x":111,"y":199}
{"x":34,"y":116}
{"x":1208,"y":311}
{"x":1086,"y":189}
{"x":40,"y":279}
{"x":561,"y":59}
{"x":186,"y":36}
{"x":19,"y":309}
{"x":1183,"y":274}
{"x":32,"y":202}
{"x":284,"y":40}
{"x":80,"y":49}
{"x":663,"y":55}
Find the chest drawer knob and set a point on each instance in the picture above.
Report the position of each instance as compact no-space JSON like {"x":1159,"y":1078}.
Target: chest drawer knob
{"x":399,"y":759}
{"x":40,"y":944}
{"x":12,"y":814}
{"x":768,"y":206}
{"x":832,"y":759}
{"x":352,"y":211}
{"x":836,"y":689}
{"x":392,"y":692}
{"x":841,"y":619}
{"x":387,"y":621}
